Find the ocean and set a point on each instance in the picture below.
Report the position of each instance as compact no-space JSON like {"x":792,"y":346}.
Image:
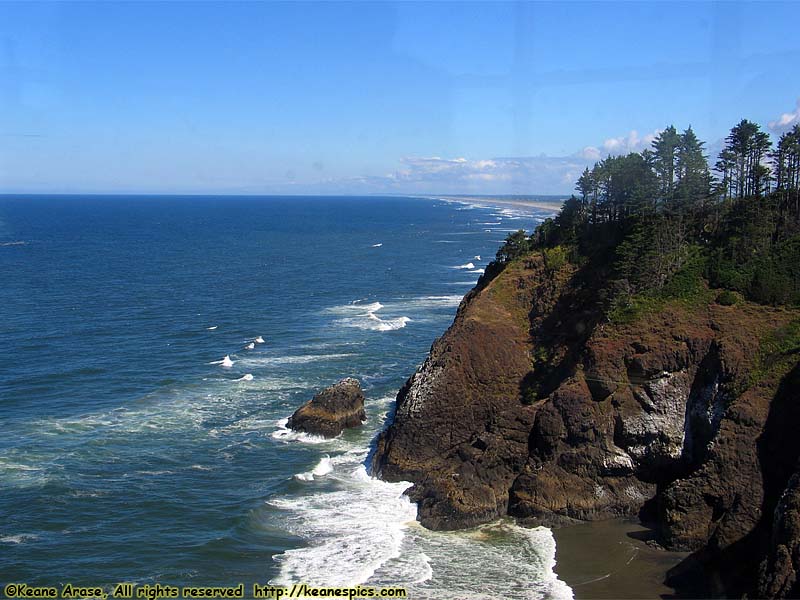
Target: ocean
{"x":130,"y":453}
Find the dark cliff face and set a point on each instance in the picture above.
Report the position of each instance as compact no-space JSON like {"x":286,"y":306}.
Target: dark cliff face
{"x":530,"y":406}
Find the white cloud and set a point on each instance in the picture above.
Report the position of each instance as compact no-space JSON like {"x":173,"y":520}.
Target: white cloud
{"x":498,"y":175}
{"x":591,"y":153}
{"x":504,"y":175}
{"x":631,"y":142}
{"x":786,"y":120}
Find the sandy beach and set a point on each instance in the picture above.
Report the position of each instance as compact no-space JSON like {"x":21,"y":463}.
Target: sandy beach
{"x":610,"y":559}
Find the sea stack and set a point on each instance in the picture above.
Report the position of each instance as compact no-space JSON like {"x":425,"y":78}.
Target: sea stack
{"x":334,"y":409}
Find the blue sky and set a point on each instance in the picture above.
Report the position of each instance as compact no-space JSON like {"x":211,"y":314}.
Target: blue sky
{"x":484,"y":98}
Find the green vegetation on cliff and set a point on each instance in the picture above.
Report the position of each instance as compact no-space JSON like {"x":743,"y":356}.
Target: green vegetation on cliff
{"x":658,"y":226}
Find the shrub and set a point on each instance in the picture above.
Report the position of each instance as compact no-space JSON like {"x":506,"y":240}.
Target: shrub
{"x":554,"y":258}
{"x":728,"y":298}
{"x":516,"y":245}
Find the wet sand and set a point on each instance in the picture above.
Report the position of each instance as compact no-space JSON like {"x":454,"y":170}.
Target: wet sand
{"x":610,"y":559}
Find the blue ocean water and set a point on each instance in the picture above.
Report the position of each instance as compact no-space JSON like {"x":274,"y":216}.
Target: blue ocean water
{"x":129,"y":452}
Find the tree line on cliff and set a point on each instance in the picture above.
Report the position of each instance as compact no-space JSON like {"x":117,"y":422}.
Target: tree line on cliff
{"x":658,"y":222}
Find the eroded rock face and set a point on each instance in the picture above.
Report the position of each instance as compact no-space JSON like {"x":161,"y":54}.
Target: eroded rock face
{"x":331,"y":411}
{"x":460,"y":431}
{"x":779,"y":571}
{"x":530,"y":406}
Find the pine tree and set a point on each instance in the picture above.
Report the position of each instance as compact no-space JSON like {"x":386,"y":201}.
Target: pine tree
{"x":694,"y":179}
{"x":665,"y":152}
{"x":747,"y":146}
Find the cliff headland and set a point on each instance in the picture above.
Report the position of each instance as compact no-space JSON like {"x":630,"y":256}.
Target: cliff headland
{"x":636,"y":356}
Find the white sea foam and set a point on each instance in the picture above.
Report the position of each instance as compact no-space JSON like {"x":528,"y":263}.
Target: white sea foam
{"x":515,"y":563}
{"x":363,"y":316}
{"x":429,"y":302}
{"x":324,"y":466}
{"x":225,"y":362}
{"x":250,"y":346}
{"x":284,"y":434}
{"x":19,"y":538}
{"x":477,"y":257}
{"x":246,"y":377}
{"x":352,"y":530}
{"x":377,"y":245}
{"x":469,"y":265}
{"x":212,"y":328}
{"x":181,"y":410}
{"x":476,"y":270}
{"x":17,"y":471}
{"x":259,"y":340}
{"x":298,"y":359}
{"x":359,"y":530}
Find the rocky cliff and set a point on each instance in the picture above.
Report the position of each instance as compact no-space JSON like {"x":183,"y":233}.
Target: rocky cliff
{"x":532,"y":405}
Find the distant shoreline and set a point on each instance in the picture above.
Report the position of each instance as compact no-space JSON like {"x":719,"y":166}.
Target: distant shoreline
{"x":554,"y":205}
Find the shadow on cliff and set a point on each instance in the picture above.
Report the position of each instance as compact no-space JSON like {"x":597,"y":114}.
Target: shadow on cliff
{"x":560,"y":336}
{"x":731,"y":571}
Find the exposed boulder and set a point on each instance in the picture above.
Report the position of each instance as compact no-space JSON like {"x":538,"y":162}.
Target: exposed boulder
{"x":334,"y":409}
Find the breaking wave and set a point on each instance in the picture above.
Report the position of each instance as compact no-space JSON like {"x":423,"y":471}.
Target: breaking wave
{"x":363,"y":316}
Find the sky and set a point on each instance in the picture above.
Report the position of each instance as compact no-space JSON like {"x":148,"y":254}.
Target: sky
{"x":373,"y":98}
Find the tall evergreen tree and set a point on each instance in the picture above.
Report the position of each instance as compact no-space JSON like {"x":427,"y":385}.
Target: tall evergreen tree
{"x":694,"y":179}
{"x":665,"y":155}
{"x":787,"y":160}
{"x":745,"y":148}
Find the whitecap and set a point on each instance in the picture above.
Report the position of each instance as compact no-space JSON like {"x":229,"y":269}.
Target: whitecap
{"x":245,"y":377}
{"x":430,"y":302}
{"x":225,"y":362}
{"x":259,"y":340}
{"x":477,"y":271}
{"x":212,"y":328}
{"x":19,"y":538}
{"x":323,"y":467}
{"x":469,"y":265}
{"x":297,"y":359}
{"x":477,"y":257}
{"x":362,"y":316}
{"x":284,"y":434}
{"x":250,"y":346}
{"x":377,"y":245}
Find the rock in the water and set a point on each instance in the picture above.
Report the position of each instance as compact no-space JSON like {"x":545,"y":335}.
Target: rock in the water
{"x":332,"y":410}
